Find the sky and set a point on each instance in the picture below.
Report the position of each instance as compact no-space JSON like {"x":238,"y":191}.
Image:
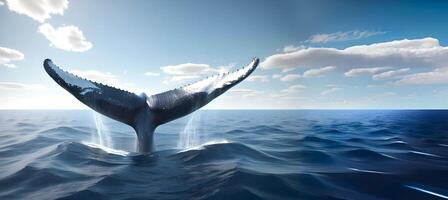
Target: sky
{"x":314,"y":54}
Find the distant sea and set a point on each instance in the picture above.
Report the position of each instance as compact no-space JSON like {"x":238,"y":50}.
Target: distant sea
{"x":228,"y":154}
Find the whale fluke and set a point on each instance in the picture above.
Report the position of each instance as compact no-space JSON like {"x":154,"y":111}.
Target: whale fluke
{"x":144,"y":113}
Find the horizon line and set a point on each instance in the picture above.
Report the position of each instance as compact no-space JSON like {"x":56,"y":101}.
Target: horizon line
{"x":80,"y":109}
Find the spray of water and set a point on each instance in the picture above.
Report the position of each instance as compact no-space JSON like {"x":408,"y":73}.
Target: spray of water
{"x":190,"y":137}
{"x":102,"y":136}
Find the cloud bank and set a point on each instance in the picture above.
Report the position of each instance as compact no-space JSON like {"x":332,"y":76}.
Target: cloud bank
{"x":425,"y":52}
{"x":383,"y":61}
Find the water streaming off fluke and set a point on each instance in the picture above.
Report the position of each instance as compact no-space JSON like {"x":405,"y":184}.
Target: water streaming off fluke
{"x":190,"y":137}
{"x":102,"y":136}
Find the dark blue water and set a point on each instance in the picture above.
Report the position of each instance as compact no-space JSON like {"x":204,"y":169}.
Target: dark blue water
{"x":244,"y":155}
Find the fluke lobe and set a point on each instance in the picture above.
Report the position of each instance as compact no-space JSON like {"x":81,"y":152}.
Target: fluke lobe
{"x":141,"y":112}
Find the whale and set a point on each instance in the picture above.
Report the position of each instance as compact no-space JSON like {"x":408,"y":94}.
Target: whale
{"x":144,"y":113}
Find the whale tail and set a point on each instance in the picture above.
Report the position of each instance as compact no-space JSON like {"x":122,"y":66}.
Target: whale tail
{"x":144,"y":113}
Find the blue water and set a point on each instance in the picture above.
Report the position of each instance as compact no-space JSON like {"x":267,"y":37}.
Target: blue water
{"x":306,"y":154}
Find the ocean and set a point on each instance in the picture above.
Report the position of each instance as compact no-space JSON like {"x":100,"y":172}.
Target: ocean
{"x":227,"y":154}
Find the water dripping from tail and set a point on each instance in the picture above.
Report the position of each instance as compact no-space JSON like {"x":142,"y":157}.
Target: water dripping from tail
{"x":102,"y":136}
{"x":190,"y":136}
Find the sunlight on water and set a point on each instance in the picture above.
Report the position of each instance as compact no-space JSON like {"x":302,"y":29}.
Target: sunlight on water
{"x":102,"y":136}
{"x":189,"y":137}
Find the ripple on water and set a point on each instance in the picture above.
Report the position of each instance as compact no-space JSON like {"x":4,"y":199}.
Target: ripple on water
{"x":243,"y":155}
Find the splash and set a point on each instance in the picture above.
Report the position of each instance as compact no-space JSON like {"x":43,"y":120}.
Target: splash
{"x":189,"y":137}
{"x":106,"y":149}
{"x":102,"y":136}
{"x":201,"y":146}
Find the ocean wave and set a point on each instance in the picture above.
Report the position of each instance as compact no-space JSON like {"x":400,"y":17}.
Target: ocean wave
{"x":202,"y":146}
{"x":225,"y":150}
{"x":284,"y":155}
{"x":106,"y":149}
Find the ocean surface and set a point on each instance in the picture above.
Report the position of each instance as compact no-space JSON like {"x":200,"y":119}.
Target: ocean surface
{"x":222,"y":154}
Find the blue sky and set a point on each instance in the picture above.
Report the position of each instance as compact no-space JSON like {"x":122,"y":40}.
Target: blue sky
{"x":315,"y":54}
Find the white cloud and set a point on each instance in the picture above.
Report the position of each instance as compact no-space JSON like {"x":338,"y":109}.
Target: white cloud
{"x":306,"y":74}
{"x":276,"y":76}
{"x":181,"y":78}
{"x":291,"y":77}
{"x":329,"y":91}
{"x":109,"y":79}
{"x":261,"y":78}
{"x":1,"y":3}
{"x":7,"y":55}
{"x":392,"y":74}
{"x":69,"y":38}
{"x":246,"y":92}
{"x":341,"y":36}
{"x":286,"y":70}
{"x":152,"y":74}
{"x":364,"y":71}
{"x":97,"y":76}
{"x":289,"y":93}
{"x":188,"y":71}
{"x":9,"y":65}
{"x":39,"y":10}
{"x":437,"y":76}
{"x":11,"y":85}
{"x":425,"y":52}
{"x":318,"y":72}
{"x":291,"y":48}
{"x":19,"y":86}
{"x":38,"y":101}
{"x":294,"y":89}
